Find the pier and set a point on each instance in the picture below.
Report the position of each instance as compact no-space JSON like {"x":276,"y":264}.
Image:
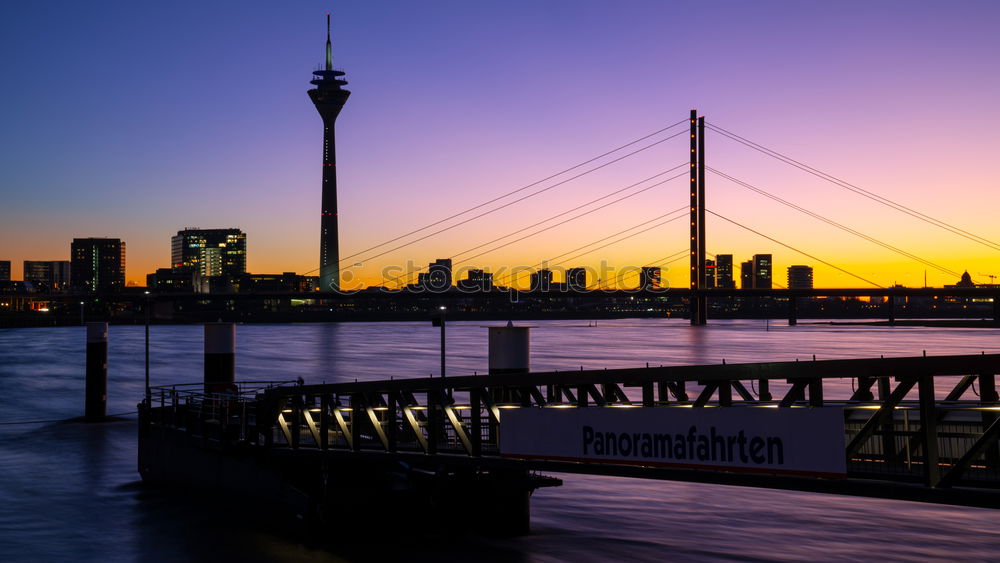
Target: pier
{"x":916,"y":428}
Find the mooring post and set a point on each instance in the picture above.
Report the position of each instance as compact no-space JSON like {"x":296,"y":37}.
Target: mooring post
{"x":509,"y":352}
{"x":509,"y":349}
{"x":793,"y":314}
{"x":220,"y":358}
{"x":146,"y":310}
{"x":96,"y":394}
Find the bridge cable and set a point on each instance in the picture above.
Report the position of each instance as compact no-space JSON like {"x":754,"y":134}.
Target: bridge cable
{"x":856,"y":189}
{"x":802,"y":252}
{"x":665,"y":261}
{"x":581,"y":206}
{"x":563,"y":222}
{"x":531,"y":185}
{"x":647,"y":229}
{"x":834,"y":223}
{"x":557,"y":257}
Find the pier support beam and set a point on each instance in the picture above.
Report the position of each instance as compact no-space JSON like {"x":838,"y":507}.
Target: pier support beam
{"x":989,"y":397}
{"x":96,"y":402}
{"x":928,"y":427}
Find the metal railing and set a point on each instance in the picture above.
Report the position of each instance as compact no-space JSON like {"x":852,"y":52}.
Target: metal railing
{"x":937,"y":442}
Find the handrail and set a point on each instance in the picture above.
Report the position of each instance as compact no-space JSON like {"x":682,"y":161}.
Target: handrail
{"x":817,"y":369}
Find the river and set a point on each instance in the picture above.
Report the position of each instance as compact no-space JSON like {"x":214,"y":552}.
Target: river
{"x":70,"y":491}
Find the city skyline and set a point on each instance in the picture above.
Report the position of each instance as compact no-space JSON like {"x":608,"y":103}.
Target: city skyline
{"x":432,"y":130}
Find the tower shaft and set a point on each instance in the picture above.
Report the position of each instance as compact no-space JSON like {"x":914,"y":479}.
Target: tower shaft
{"x":329,"y":98}
{"x":329,"y":238}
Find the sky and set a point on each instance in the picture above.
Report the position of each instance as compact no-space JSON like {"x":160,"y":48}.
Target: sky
{"x":135,"y":120}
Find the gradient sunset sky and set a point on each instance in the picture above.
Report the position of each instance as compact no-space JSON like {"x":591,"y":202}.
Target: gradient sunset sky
{"x":136,"y":120}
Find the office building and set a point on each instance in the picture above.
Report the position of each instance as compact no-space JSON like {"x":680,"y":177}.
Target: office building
{"x":210,"y":252}
{"x":576,"y":279}
{"x":437,"y":277}
{"x":710,"y":273}
{"x":329,"y":98}
{"x":4,"y":270}
{"x":476,"y":280}
{"x":541,"y":280}
{"x":762,"y":271}
{"x":649,"y":277}
{"x":724,"y":271}
{"x":53,"y":274}
{"x":274,"y":283}
{"x":172,"y":280}
{"x":746,"y":274}
{"x":800,"y":277}
{"x":97,"y":264}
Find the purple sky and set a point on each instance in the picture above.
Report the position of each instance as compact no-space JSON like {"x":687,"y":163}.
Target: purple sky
{"x":131,"y":120}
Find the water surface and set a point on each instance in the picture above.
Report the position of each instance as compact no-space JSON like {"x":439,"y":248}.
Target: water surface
{"x":70,"y":491}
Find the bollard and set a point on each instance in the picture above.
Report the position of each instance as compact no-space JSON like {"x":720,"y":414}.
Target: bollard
{"x":510,"y":349}
{"x":96,"y":394}
{"x":220,"y":357}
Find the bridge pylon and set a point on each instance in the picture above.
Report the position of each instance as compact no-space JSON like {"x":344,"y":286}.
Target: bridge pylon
{"x":698,"y":302}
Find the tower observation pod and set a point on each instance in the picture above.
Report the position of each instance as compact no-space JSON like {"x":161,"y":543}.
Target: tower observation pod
{"x":329,"y":97}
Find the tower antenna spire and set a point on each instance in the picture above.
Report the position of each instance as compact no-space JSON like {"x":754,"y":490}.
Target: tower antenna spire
{"x":329,"y":97}
{"x":329,"y":46}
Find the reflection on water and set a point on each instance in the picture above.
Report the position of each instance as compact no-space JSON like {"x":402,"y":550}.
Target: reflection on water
{"x":70,"y":491}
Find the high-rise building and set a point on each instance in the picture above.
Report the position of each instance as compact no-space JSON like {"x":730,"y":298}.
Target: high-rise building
{"x":576,"y":279}
{"x":649,"y":277}
{"x":477,"y":280}
{"x":4,"y":270}
{"x":724,"y":271}
{"x":800,"y":277}
{"x":710,"y":274}
{"x":438,"y":276}
{"x":210,"y":252}
{"x":746,"y":274}
{"x":762,"y":271}
{"x":541,"y":280}
{"x":329,"y":98}
{"x":55,"y":274}
{"x":97,"y":264}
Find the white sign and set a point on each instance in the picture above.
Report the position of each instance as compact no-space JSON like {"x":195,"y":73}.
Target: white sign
{"x":784,"y":441}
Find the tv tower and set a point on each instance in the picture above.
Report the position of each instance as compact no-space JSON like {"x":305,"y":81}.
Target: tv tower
{"x":329,"y":99}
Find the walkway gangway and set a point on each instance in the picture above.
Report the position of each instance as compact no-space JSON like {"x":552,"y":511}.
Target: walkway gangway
{"x":912,"y":427}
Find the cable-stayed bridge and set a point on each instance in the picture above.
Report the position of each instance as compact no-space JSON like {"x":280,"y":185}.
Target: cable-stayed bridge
{"x":695,"y":169}
{"x":699,"y":290}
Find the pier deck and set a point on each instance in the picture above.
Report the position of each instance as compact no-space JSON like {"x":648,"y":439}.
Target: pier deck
{"x":917,"y":428}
